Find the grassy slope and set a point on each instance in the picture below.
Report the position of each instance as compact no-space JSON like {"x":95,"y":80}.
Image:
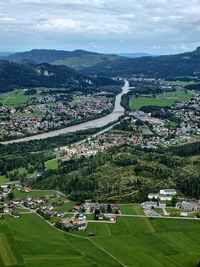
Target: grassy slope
{"x":31,"y":242}
{"x":161,"y":100}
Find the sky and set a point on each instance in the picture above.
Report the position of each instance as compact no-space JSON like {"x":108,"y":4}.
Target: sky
{"x":109,"y":26}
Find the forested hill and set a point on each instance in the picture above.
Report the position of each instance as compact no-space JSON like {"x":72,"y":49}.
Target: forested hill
{"x":46,"y":55}
{"x":126,"y":174}
{"x":185,"y":64}
{"x":76,"y":59}
{"x":15,"y":76}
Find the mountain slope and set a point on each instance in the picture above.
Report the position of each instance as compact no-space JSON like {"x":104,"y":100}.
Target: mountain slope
{"x":185,"y":64}
{"x":15,"y":75}
{"x":86,"y":61}
{"x":76,"y":59}
{"x":46,"y":56}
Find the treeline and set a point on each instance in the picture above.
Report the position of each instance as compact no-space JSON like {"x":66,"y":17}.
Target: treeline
{"x":195,"y":86}
{"x":186,"y":150}
{"x":124,"y":174}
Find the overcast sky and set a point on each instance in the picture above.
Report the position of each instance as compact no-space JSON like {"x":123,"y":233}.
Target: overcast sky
{"x":156,"y":26}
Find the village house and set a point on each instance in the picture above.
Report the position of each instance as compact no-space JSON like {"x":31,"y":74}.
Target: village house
{"x":153,"y":195}
{"x":168,"y":192}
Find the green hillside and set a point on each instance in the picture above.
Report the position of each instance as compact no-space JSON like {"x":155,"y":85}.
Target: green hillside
{"x":124,"y":174}
{"x":86,"y":61}
{"x":132,"y":242}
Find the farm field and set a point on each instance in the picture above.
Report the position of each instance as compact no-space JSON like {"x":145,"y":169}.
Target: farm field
{"x":131,"y":209}
{"x":150,"y":242}
{"x":32,"y":242}
{"x":13,"y":99}
{"x":33,"y":194}
{"x":162,"y":100}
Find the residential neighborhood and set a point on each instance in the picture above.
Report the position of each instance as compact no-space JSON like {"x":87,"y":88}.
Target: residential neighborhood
{"x":52,"y":111}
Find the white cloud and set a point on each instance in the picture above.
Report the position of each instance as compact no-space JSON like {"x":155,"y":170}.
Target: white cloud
{"x":139,"y":24}
{"x":54,"y":25}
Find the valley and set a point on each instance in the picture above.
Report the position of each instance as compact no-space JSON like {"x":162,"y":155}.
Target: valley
{"x":98,"y":171}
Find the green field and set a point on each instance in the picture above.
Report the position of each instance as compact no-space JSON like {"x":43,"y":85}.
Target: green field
{"x":132,"y":242}
{"x":181,"y":83}
{"x":32,"y":242}
{"x":132,"y":209}
{"x":33,"y":194}
{"x":3,"y":179}
{"x":167,"y":99}
{"x":66,"y":207}
{"x":52,"y":164}
{"x":15,"y":98}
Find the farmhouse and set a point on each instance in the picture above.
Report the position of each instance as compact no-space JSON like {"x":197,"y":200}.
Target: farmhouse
{"x":26,"y":189}
{"x":15,"y":214}
{"x":153,"y":195}
{"x":168,"y":192}
{"x":183,"y":214}
{"x":165,"y":197}
{"x":149,"y":204}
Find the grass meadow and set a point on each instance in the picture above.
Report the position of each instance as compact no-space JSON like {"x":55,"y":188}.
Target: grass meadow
{"x":31,"y":242}
{"x":162,"y":100}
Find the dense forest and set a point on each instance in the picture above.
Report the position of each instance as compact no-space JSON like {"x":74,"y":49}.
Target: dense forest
{"x":126,"y":174}
{"x":29,"y":75}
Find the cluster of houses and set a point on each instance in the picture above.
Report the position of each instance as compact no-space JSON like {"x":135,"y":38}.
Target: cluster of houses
{"x":190,"y":205}
{"x":50,"y":112}
{"x":45,"y":206}
{"x":160,"y":83}
{"x":70,"y":224}
{"x":157,"y":200}
{"x":159,"y":134}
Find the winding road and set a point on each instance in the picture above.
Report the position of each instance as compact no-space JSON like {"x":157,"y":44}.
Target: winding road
{"x":117,"y":112}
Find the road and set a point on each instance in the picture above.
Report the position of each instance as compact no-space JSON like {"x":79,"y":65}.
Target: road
{"x":97,"y":123}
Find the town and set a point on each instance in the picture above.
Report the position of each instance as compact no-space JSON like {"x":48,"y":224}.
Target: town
{"x":48,"y":111}
{"x":141,"y":129}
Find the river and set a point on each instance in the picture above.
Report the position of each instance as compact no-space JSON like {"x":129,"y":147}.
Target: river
{"x":97,"y":123}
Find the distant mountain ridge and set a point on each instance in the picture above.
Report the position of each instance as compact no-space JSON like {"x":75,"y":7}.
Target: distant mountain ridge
{"x":46,"y":55}
{"x":136,"y":55}
{"x":184,"y":64}
{"x":77,"y":59}
{"x":92,"y":63}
